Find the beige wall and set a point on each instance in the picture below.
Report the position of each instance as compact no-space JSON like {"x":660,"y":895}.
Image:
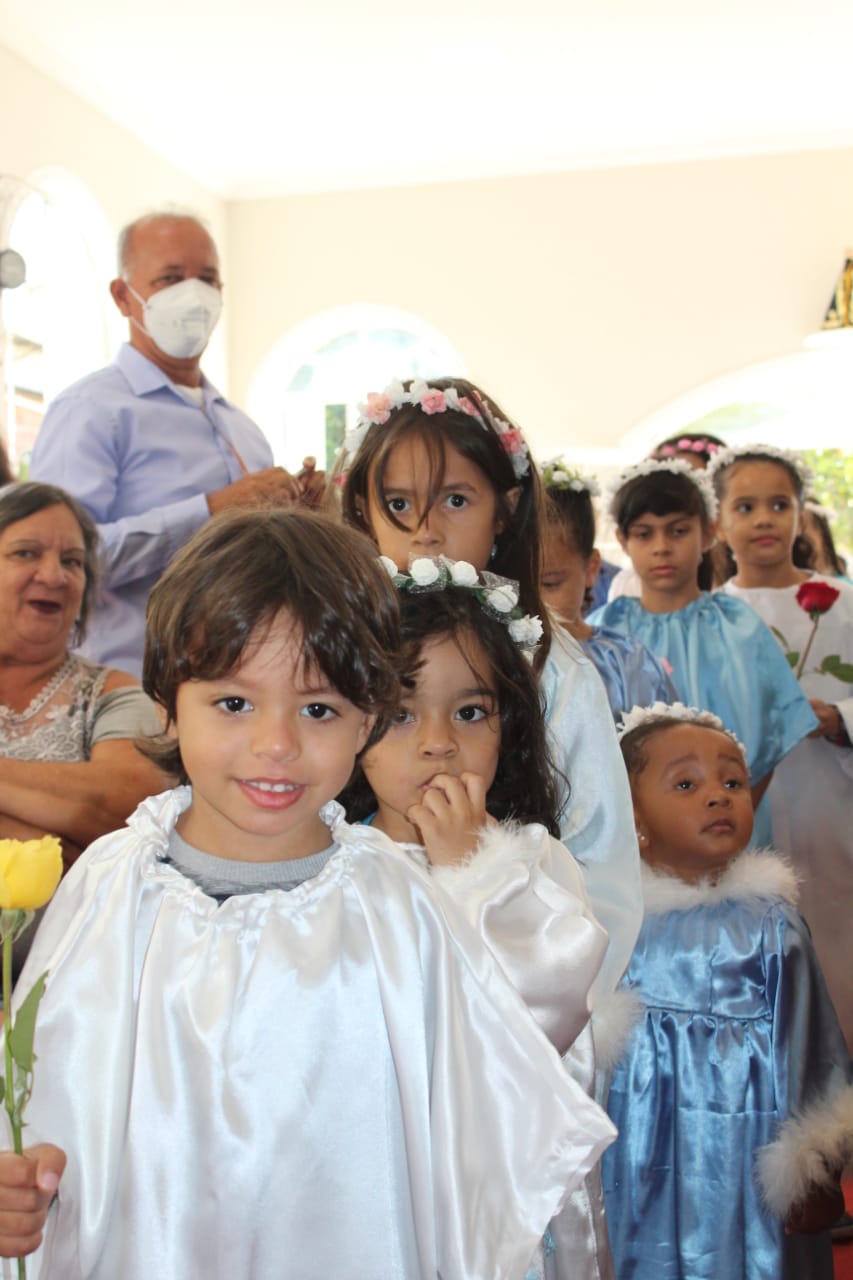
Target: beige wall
{"x":47,"y":127}
{"x":585,"y":300}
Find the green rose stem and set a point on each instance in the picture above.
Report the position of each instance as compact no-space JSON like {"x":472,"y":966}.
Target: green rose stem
{"x":815,"y":617}
{"x":18,"y":1038}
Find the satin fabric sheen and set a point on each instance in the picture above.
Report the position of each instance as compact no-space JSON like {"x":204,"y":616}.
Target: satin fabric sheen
{"x":738,"y":1033}
{"x":524,"y":895}
{"x":811,"y":795}
{"x":597,"y":821}
{"x":631,"y":675}
{"x":724,"y":659}
{"x":335,"y":1081}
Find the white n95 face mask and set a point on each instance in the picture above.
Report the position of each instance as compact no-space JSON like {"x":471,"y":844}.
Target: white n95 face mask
{"x":181,"y":318}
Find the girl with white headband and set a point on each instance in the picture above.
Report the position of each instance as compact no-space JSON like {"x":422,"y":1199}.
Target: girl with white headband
{"x":439,"y":469}
{"x":719,"y":654}
{"x":761,"y":491}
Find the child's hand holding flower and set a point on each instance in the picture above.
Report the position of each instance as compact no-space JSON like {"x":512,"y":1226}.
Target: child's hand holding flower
{"x":30,"y":870}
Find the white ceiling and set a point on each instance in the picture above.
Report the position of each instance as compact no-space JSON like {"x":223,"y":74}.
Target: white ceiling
{"x":257,"y":97}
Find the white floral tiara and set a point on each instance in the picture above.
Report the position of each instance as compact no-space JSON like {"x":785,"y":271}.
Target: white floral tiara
{"x":728,"y":457}
{"x":558,"y":474}
{"x":379,"y":406}
{"x":498,"y":596}
{"x":678,"y":711}
{"x":675,"y":466}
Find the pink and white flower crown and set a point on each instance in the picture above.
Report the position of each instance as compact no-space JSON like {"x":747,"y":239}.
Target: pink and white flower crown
{"x":675,"y":466}
{"x":685,"y":445}
{"x":379,"y":406}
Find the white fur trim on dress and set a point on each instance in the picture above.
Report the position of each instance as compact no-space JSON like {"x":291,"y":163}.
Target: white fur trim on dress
{"x":613,"y":1020}
{"x":810,"y":1151}
{"x":499,"y":844}
{"x":758,"y":874}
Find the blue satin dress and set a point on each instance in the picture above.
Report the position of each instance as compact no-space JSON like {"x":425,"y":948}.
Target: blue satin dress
{"x":721,"y":657}
{"x":632,"y":676}
{"x":737,"y":1034}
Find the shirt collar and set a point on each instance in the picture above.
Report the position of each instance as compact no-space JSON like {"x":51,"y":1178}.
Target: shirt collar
{"x":144,"y":376}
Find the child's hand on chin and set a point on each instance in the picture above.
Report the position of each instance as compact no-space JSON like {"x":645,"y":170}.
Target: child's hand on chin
{"x":818,"y":1212}
{"x":450,"y":817}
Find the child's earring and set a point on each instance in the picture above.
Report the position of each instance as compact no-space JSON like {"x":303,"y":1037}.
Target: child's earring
{"x":493,"y":552}
{"x":642,"y":837}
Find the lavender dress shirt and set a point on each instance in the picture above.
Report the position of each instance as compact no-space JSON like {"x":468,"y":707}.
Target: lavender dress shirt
{"x":141,"y":456}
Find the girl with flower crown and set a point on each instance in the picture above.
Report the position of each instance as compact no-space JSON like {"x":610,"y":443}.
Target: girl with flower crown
{"x":719,"y":654}
{"x":734,"y":1098}
{"x":463,"y":782}
{"x":631,"y":675}
{"x":761,"y":491}
{"x":439,"y":470}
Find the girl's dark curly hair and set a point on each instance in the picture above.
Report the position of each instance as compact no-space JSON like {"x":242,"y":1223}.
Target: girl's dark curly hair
{"x":518,"y":547}
{"x":525,"y":785}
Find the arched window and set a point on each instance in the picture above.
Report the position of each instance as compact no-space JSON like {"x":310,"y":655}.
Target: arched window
{"x":56,"y":326}
{"x":304,"y":394}
{"x":801,"y":401}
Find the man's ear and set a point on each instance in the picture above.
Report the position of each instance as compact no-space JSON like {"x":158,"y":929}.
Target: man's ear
{"x":121,"y":295}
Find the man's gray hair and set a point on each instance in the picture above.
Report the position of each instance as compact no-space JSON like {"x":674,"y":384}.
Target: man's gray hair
{"x":174,"y":213}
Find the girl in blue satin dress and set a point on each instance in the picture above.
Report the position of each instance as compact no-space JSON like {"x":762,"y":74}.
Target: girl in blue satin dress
{"x":719,"y":654}
{"x":631,"y":675}
{"x":734,"y":1098}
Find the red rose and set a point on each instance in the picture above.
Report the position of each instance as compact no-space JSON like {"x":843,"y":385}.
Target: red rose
{"x":817,"y":598}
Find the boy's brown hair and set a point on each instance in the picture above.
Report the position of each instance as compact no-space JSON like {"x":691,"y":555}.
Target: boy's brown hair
{"x":236,"y":575}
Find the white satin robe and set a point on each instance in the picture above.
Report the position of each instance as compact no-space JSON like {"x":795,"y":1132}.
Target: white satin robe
{"x":525,"y":895}
{"x":334,"y":1082}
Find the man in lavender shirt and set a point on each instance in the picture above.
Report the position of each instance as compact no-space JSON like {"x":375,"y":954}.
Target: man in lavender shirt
{"x":148,"y":445}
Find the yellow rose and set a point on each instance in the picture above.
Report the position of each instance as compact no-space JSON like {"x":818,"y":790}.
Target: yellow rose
{"x":30,"y":870}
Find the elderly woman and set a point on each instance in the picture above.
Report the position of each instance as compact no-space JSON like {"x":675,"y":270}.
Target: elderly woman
{"x":68,"y":764}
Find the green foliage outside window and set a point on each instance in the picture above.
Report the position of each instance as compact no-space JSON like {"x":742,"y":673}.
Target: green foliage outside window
{"x":833,"y":488}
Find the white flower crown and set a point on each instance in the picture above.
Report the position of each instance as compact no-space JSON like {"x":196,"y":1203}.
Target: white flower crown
{"x":728,"y":457}
{"x":379,"y":406}
{"x":558,"y":474}
{"x":679,"y":711}
{"x":675,"y":466}
{"x":497,"y":596}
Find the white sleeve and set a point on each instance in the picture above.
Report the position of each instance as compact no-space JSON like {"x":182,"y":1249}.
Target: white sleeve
{"x":597,"y":823}
{"x":524,"y":895}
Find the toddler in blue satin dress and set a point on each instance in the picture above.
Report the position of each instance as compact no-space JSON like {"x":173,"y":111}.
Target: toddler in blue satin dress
{"x":734,"y":1098}
{"x":631,"y":674}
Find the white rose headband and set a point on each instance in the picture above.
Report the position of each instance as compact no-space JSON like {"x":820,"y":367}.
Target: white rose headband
{"x":756,"y":452}
{"x":497,"y":596}
{"x":379,"y":406}
{"x":675,"y":466}
{"x":674,"y":711}
{"x":558,"y":474}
